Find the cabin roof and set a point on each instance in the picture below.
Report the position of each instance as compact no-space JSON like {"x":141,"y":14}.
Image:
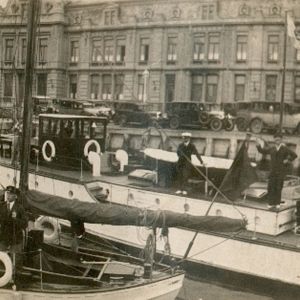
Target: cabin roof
{"x":64,"y":116}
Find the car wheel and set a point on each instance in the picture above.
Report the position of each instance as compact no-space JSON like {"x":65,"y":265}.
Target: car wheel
{"x":216,"y":124}
{"x":229,"y":125}
{"x":174,"y":123}
{"x":204,"y":118}
{"x":122,"y":120}
{"x":241,"y":124}
{"x":256,"y":126}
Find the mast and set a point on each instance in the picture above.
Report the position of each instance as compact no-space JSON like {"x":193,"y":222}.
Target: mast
{"x":32,"y":17}
{"x":283,"y":73}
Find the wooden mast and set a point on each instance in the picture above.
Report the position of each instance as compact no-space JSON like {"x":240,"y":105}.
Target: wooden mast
{"x":33,"y":10}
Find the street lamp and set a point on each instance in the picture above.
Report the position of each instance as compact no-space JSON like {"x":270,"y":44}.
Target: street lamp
{"x":146,"y":75}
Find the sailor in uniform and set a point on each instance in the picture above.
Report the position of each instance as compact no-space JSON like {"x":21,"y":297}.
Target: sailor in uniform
{"x":184,"y":164}
{"x":281,"y":155}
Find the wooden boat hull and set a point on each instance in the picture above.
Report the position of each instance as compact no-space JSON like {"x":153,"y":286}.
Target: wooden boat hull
{"x":166,"y":289}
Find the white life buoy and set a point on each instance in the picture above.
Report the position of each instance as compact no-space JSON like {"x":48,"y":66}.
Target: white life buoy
{"x":50,"y":226}
{"x":53,"y":152}
{"x":89,"y":144}
{"x":6,"y":261}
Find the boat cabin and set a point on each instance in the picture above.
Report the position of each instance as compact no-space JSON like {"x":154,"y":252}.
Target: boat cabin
{"x":67,"y":139}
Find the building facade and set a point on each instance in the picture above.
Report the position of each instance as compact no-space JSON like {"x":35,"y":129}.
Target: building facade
{"x":155,"y":51}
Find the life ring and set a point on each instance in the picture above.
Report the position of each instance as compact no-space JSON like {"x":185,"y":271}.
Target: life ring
{"x":90,"y":143}
{"x":6,"y":261}
{"x":50,"y":226}
{"x":53,"y":151}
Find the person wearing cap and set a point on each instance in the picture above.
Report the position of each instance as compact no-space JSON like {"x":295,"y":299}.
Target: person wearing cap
{"x":185,"y":151}
{"x":281,"y":155}
{"x":12,"y":224}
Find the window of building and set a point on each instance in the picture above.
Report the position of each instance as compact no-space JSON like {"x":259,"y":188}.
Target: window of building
{"x":207,"y":12}
{"x":121,"y":50}
{"x":42,"y":84}
{"x":197,"y":86}
{"x":144,"y":50}
{"x":241,"y":48}
{"x":141,"y":87}
{"x":73,"y":86}
{"x":271,"y":82}
{"x":8,"y":84}
{"x":9,"y":50}
{"x":297,"y":88}
{"x":96,"y":51}
{"x":108,"y":51}
{"x":172,"y":49}
{"x":212,"y":88}
{"x":74,"y":51}
{"x":106,"y":87}
{"x":119,"y":87}
{"x":23,"y":50}
{"x":214,"y":47}
{"x":110,"y":17}
{"x":43,"y":46}
{"x":273,"y":48}
{"x":199,"y":48}
{"x":298,"y":56}
{"x":95,"y":80}
{"x":239,"y":87}
{"x":170,"y":87}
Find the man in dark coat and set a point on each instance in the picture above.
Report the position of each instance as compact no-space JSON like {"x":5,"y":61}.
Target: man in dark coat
{"x":184,"y":164}
{"x":280,"y":157}
{"x":13,"y":223}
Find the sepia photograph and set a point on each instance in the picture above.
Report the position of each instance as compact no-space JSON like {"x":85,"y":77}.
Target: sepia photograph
{"x":150,"y":149}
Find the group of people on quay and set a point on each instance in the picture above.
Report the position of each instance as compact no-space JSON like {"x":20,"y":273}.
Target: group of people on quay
{"x":281,"y":156}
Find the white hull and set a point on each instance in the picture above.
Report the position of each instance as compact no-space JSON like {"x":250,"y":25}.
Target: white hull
{"x":259,"y":258}
{"x":161,"y":290}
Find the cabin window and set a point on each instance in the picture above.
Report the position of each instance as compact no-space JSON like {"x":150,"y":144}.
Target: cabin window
{"x":55,"y":128}
{"x":197,"y":86}
{"x":199,"y":48}
{"x":273,"y":48}
{"x":84,"y":129}
{"x":97,"y":51}
{"x":97,"y":130}
{"x":241,"y":48}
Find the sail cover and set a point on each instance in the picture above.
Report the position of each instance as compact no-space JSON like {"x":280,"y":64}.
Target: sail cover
{"x":115,"y":214}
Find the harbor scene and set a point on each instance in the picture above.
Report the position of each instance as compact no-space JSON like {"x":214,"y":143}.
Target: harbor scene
{"x":150,"y":149}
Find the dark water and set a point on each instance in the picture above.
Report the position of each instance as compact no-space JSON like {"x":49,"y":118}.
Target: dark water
{"x":200,"y":290}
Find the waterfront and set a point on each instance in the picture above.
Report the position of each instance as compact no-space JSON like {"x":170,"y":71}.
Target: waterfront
{"x":200,"y":290}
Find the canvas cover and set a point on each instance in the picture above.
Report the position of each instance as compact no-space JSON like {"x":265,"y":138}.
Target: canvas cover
{"x":115,"y":214}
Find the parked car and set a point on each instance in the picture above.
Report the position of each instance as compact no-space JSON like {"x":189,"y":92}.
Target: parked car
{"x":43,"y":104}
{"x":262,"y":115}
{"x":71,"y":106}
{"x":137,"y":114}
{"x":196,"y":114}
{"x":100,"y":109}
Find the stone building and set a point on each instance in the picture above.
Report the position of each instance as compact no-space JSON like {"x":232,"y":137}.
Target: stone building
{"x":155,"y":51}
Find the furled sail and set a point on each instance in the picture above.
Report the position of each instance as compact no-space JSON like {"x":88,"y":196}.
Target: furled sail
{"x":115,"y":214}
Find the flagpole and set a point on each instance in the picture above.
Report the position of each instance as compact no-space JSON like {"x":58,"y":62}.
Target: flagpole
{"x":283,"y":73}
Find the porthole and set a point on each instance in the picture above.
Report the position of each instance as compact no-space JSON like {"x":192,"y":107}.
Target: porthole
{"x":71,"y":194}
{"x":219,"y":213}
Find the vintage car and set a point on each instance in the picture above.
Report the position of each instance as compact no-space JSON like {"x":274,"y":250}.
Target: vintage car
{"x":196,"y":114}
{"x":99,"y":108}
{"x":43,"y":104}
{"x":263,"y":115}
{"x":135,"y":113}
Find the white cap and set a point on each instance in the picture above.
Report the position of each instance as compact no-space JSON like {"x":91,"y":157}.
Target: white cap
{"x":187,"y":134}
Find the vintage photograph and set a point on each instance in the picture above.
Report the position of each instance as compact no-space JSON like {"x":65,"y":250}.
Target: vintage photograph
{"x":150,"y":149}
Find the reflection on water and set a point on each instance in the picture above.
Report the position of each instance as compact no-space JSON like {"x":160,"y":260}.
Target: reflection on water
{"x":199,"y":290}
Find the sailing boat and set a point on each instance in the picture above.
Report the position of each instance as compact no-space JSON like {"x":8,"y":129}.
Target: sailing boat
{"x":56,"y":271}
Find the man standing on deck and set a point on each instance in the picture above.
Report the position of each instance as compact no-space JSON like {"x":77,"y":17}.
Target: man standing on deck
{"x":281,"y":155}
{"x":184,"y":164}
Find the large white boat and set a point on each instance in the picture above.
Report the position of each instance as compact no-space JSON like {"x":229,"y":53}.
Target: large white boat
{"x":268,"y":249}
